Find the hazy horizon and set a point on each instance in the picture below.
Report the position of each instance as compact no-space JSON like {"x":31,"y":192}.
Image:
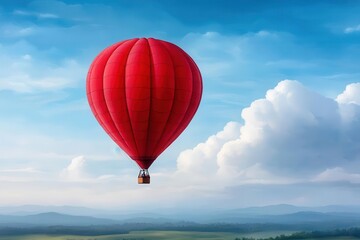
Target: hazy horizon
{"x":278,"y":122}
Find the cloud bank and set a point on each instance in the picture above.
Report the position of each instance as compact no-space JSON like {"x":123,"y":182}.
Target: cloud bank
{"x":293,"y":134}
{"x":290,"y":145}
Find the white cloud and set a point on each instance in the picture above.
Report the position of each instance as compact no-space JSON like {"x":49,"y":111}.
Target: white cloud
{"x":201,"y":158}
{"x":290,"y":135}
{"x":352,"y":29}
{"x":20,"y":170}
{"x":288,"y":131}
{"x":350,"y":95}
{"x":35,"y":14}
{"x":75,"y":171}
{"x":337,"y":174}
{"x":21,"y":173}
{"x":349,"y":102}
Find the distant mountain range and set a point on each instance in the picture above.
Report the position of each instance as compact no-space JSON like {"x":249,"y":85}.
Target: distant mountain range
{"x":53,"y":219}
{"x":36,"y":209}
{"x":263,"y":210}
{"x":287,"y":209}
{"x":31,"y":215}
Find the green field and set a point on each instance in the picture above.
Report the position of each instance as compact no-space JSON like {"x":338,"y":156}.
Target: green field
{"x":150,"y":235}
{"x":159,"y":235}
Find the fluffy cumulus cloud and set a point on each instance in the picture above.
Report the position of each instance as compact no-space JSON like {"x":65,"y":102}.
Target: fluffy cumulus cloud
{"x":75,"y":171}
{"x":293,"y":134}
{"x":350,"y":95}
{"x":205,"y":152}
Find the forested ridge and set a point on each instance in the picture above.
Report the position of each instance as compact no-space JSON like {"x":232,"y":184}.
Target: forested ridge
{"x":351,"y":232}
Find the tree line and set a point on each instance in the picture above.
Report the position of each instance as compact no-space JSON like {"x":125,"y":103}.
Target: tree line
{"x":350,"y":232}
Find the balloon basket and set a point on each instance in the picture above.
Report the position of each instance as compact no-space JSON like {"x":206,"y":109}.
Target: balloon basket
{"x":144,"y":177}
{"x":143,"y":180}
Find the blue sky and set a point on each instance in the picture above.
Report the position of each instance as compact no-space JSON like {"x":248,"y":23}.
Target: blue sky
{"x":253,"y":130}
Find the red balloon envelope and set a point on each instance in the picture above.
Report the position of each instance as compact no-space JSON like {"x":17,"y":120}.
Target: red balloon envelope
{"x":144,"y":93}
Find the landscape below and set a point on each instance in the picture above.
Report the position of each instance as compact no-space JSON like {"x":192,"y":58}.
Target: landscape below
{"x":278,"y":222}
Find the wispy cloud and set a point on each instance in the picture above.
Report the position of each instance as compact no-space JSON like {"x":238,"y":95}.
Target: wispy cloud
{"x":11,"y":30}
{"x":35,"y":14}
{"x":20,"y":170}
{"x":337,"y":174}
{"x":352,"y":29}
{"x":24,"y":73}
{"x":290,"y":64}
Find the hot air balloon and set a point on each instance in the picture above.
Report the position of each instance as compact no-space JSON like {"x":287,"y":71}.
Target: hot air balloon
{"x":144,"y":93}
